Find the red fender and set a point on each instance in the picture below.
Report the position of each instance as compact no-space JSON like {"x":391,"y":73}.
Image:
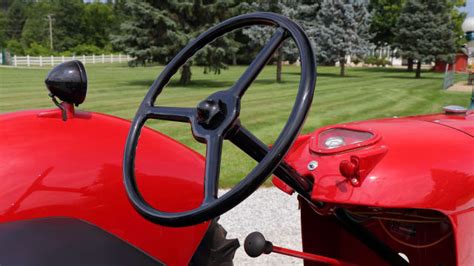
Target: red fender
{"x":73,"y":169}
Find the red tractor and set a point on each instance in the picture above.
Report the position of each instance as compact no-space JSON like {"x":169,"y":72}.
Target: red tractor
{"x":75,"y":190}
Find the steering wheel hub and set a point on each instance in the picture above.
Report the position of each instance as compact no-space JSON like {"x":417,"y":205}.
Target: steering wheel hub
{"x":211,"y":113}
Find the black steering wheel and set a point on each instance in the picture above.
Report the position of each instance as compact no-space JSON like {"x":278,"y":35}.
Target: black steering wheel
{"x":216,"y":119}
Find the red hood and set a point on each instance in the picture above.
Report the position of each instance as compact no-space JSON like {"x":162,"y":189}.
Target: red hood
{"x":463,"y":122}
{"x":412,"y":162}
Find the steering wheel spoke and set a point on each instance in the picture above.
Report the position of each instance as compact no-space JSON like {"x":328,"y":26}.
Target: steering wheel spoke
{"x":259,"y":62}
{"x":178,"y":114}
{"x":255,"y":148}
{"x":213,"y":166}
{"x":249,"y":143}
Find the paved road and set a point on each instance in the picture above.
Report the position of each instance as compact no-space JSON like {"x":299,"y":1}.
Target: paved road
{"x":275,"y":215}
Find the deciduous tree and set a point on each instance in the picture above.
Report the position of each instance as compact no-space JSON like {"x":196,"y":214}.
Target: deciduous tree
{"x":385,"y":15}
{"x":3,"y":26}
{"x":36,"y":28}
{"x":68,"y":24}
{"x":99,"y":23}
{"x":15,"y":19}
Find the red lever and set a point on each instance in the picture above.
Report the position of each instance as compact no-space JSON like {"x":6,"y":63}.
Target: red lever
{"x":309,"y":256}
{"x":350,"y":170}
{"x":256,"y":245}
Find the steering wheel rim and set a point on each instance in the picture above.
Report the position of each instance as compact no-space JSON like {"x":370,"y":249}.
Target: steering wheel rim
{"x":212,"y":121}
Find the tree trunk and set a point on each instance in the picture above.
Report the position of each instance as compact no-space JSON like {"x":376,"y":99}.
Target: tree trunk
{"x":234,"y":59}
{"x":410,"y":65}
{"x":279,"y":65}
{"x":342,"y":63}
{"x":185,"y":74}
{"x":418,"y":69}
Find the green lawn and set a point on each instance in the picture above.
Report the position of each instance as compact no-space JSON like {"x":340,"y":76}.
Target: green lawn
{"x":365,"y":93}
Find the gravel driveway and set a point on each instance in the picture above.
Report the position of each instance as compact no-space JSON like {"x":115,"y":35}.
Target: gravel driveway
{"x":274,"y":214}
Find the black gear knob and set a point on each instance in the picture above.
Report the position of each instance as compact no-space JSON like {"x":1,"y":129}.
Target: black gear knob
{"x":255,"y":245}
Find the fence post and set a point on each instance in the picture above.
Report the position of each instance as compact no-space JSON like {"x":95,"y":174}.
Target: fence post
{"x":448,"y":80}
{"x":14,"y":60}
{"x":84,"y":59}
{"x":73,"y":57}
{"x":120,"y":58}
{"x":111,"y":58}
{"x":62,"y":58}
{"x":28,"y":60}
{"x":41,"y":61}
{"x":52,"y":60}
{"x":93,"y":59}
{"x":128,"y":57}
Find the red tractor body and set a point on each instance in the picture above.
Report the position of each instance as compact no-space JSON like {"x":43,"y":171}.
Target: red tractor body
{"x":422,"y":164}
{"x":53,"y":168}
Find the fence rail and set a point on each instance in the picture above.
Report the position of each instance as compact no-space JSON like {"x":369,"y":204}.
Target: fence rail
{"x":54,"y":60}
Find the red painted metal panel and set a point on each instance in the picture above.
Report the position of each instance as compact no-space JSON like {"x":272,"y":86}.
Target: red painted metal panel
{"x":426,"y":165}
{"x":74,"y":169}
{"x":420,"y":162}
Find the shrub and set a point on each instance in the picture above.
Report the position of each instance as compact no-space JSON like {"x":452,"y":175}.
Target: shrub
{"x":370,"y":60}
{"x":382,"y":62}
{"x":36,"y":49}
{"x":376,"y":61}
{"x":86,"y":49}
{"x":356,"y":60}
{"x":15,"y":47}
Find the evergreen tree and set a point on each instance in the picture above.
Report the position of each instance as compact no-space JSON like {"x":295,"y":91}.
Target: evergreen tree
{"x":156,"y":30}
{"x":342,"y":30}
{"x":307,"y":12}
{"x":425,"y":32}
{"x":149,"y":34}
{"x":260,"y":35}
{"x":197,"y":16}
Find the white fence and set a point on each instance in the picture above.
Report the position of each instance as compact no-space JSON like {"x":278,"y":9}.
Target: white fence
{"x":54,"y":60}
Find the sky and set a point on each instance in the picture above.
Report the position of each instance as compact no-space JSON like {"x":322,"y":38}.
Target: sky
{"x":469,"y":8}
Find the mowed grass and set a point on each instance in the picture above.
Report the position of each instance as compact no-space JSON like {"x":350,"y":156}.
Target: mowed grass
{"x":365,"y":93}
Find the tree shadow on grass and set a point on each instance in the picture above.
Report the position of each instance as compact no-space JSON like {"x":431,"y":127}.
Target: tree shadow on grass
{"x":406,"y":74}
{"x":412,"y":77}
{"x":194,"y":84}
{"x":202,"y":83}
{"x":379,"y":69}
{"x":323,"y":74}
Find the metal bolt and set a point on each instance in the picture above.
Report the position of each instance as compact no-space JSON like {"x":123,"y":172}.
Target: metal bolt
{"x":312,"y":165}
{"x":355,"y":181}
